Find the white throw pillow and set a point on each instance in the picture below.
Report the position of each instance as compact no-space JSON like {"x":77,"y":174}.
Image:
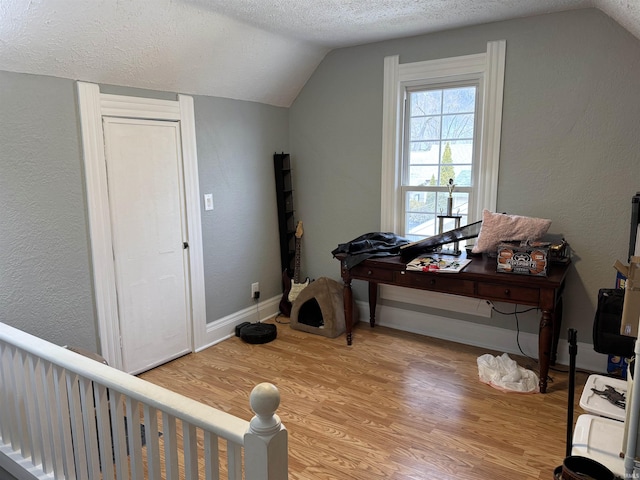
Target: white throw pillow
{"x":500,"y":227}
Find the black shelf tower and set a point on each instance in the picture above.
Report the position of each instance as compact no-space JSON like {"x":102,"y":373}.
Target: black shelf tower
{"x":286,"y":224}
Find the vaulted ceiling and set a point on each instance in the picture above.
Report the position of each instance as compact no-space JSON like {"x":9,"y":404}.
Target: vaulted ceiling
{"x":257,"y":50}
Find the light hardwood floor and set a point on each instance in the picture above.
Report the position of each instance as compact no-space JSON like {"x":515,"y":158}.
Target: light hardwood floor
{"x":394,"y":405}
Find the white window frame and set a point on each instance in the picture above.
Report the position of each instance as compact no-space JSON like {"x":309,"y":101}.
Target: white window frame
{"x":488,"y":69}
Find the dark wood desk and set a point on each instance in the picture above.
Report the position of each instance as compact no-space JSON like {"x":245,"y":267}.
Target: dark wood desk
{"x":479,"y":280}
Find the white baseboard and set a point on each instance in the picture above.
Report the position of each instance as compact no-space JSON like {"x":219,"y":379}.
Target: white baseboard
{"x":225,"y":327}
{"x":479,"y":335}
{"x":468,"y":333}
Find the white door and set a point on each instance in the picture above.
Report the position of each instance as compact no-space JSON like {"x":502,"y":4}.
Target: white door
{"x":146,"y":204}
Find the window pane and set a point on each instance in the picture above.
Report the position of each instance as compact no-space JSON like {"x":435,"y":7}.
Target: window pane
{"x":426,"y":103}
{"x":457,"y":126}
{"x":463,"y":177}
{"x":447,"y":172}
{"x":425,"y":128}
{"x":420,"y":225}
{"x":420,"y":202}
{"x":422,"y":210}
{"x":461,"y":152}
{"x":420,"y":218}
{"x":425,"y":153}
{"x":458,"y":100}
{"x":442,"y":203}
{"x":456,"y":163}
{"x":423,"y":175}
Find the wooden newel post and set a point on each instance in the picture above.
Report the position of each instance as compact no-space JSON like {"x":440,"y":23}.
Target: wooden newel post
{"x":266,"y":441}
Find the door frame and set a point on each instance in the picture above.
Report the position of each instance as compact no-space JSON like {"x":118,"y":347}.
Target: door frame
{"x":93,"y":105}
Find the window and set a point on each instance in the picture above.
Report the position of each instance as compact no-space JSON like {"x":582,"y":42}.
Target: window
{"x":441,"y":121}
{"x":437,"y":157}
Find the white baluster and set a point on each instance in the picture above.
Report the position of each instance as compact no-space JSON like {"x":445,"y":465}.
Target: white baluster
{"x":81,"y":406}
{"x":265,"y":442}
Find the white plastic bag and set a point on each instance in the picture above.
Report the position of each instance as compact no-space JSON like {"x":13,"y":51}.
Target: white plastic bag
{"x":505,"y":374}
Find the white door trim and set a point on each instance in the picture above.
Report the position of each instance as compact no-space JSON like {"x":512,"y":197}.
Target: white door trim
{"x":92,"y":106}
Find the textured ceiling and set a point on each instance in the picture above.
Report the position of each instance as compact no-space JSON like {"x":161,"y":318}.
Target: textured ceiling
{"x":258,"y":50}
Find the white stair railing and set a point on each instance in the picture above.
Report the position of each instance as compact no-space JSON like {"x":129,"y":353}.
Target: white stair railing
{"x":65,"y":416}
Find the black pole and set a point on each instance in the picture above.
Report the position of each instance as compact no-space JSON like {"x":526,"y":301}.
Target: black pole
{"x":573,"y":351}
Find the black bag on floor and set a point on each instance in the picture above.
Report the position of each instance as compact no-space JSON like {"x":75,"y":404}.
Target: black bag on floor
{"x":606,"y":326}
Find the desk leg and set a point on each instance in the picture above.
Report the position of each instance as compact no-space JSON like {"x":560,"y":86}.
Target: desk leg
{"x":348,"y":308}
{"x":545,"y":346}
{"x":373,"y":300}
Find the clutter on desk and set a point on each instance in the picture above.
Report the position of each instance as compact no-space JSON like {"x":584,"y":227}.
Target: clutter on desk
{"x":437,"y":264}
{"x":369,"y":245}
{"x":524,"y":258}
{"x":532,"y":257}
{"x":559,"y":250}
{"x":433,"y":243}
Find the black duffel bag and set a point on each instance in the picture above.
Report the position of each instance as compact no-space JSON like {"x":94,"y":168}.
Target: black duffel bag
{"x":606,"y":326}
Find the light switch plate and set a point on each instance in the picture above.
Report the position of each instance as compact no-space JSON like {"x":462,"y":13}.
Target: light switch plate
{"x":208,"y":201}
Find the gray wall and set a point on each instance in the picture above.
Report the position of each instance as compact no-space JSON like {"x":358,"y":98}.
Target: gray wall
{"x":569,"y":147}
{"x":236,"y":143}
{"x":45,"y":272}
{"x":45,"y":279}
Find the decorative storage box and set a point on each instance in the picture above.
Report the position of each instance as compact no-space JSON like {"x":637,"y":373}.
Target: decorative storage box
{"x":527,"y":258}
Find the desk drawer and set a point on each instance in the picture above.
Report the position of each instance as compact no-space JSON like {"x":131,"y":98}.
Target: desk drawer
{"x":509,"y":293}
{"x":443,"y":282}
{"x":364,"y":273}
